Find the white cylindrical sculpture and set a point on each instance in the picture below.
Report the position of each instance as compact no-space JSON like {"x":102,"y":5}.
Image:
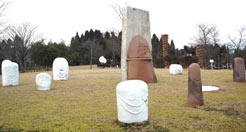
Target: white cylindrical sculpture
{"x":10,"y":73}
{"x":43,"y":81}
{"x":175,"y":69}
{"x":60,"y":69}
{"x":132,"y":101}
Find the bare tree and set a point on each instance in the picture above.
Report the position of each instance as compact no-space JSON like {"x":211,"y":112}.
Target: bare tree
{"x":238,"y":41}
{"x":3,"y":6}
{"x":207,"y":34}
{"x":118,"y":9}
{"x":24,"y":37}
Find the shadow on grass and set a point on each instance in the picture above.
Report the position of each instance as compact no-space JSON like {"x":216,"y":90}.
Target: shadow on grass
{"x":18,"y":130}
{"x":10,"y":129}
{"x":145,"y":126}
{"x":228,"y":111}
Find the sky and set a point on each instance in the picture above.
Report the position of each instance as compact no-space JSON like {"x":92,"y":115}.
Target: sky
{"x":60,"y":19}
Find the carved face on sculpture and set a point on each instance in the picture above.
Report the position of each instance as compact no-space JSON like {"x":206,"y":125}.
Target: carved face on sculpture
{"x":132,"y":101}
{"x":60,"y":69}
{"x":43,"y":81}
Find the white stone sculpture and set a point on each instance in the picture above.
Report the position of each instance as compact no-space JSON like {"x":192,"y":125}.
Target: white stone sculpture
{"x":60,"y":69}
{"x":102,"y":60}
{"x":10,"y":73}
{"x":43,"y":81}
{"x":132,"y":101}
{"x":175,"y":69}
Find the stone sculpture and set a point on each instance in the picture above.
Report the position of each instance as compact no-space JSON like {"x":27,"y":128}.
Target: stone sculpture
{"x":239,"y":70}
{"x":136,"y":58}
{"x":43,"y":81}
{"x":175,"y":69}
{"x":199,"y":54}
{"x":102,"y":60}
{"x":195,"y":96}
{"x":60,"y":69}
{"x":10,"y":73}
{"x":164,"y":39}
{"x":132,"y":101}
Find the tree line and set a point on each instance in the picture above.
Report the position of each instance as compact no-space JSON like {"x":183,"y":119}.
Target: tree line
{"x":86,"y":48}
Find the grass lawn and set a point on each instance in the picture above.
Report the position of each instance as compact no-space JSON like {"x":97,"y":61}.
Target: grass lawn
{"x":87,"y":102}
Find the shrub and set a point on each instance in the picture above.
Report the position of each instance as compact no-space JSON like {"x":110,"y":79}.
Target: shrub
{"x":185,"y":61}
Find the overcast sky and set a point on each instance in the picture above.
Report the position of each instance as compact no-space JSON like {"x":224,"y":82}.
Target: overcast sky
{"x":60,"y":19}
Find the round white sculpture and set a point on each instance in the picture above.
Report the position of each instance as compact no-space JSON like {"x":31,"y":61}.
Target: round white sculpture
{"x":10,"y":73}
{"x":102,"y":60}
{"x":132,"y":101}
{"x":43,"y":81}
{"x":60,"y":69}
{"x":209,"y":88}
{"x":175,"y":69}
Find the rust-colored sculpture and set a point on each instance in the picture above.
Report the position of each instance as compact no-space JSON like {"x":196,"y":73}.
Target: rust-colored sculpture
{"x":195,"y":96}
{"x":199,"y":54}
{"x":164,"y":39}
{"x":139,"y":60}
{"x":239,"y":70}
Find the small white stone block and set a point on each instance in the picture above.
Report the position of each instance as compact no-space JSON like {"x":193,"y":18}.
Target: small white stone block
{"x":43,"y":81}
{"x":132,"y":101}
{"x":10,"y":73}
{"x":60,"y":69}
{"x":209,"y":88}
{"x":175,"y":69}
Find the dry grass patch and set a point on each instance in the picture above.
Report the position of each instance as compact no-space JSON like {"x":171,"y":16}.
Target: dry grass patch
{"x":87,"y":102}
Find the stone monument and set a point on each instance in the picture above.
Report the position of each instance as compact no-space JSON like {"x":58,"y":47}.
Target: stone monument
{"x":60,"y":69}
{"x":195,"y":96}
{"x":132,"y":101}
{"x":43,"y":81}
{"x":10,"y":73}
{"x":239,"y":70}
{"x":136,"y":57}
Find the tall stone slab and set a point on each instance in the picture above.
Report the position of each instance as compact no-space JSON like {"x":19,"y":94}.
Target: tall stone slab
{"x":239,"y":70}
{"x":195,"y":96}
{"x":136,"y":49}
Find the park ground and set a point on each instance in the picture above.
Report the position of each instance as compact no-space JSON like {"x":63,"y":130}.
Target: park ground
{"x":87,"y":102}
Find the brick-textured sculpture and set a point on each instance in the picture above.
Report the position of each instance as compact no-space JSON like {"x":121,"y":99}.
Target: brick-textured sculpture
{"x":164,"y":39}
{"x":239,"y":70}
{"x":136,"y":58}
{"x":195,"y":96}
{"x":199,"y":55}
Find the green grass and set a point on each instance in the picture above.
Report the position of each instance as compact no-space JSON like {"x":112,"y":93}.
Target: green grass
{"x":87,"y":102}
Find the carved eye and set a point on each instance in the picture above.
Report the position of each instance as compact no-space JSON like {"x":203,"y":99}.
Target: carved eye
{"x":131,"y":97}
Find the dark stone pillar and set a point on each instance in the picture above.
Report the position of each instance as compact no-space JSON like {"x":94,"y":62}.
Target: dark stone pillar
{"x":239,"y":70}
{"x":195,"y":96}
